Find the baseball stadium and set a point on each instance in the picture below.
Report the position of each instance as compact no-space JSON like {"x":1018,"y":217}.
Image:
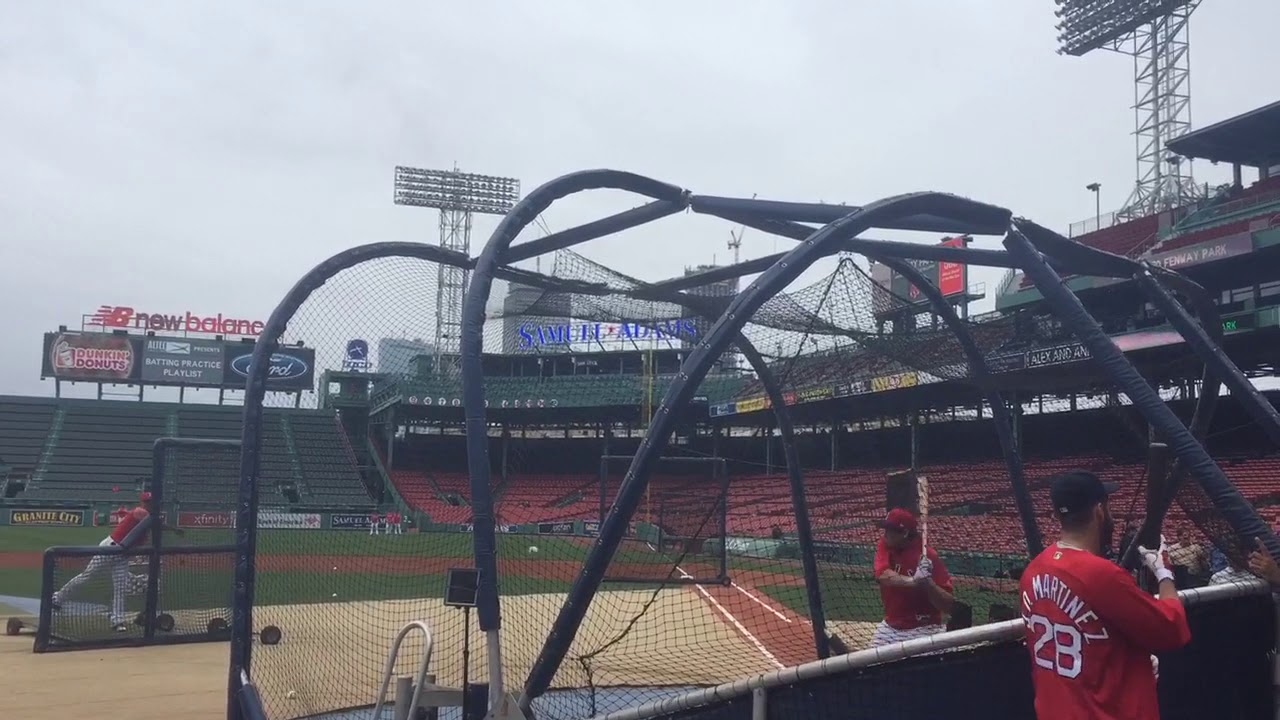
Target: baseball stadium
{"x":437,"y":483}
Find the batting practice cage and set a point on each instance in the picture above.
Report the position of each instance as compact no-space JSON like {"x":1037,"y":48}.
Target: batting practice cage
{"x":175,"y":589}
{"x":693,"y":535}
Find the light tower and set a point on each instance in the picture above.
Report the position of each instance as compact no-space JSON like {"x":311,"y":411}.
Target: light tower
{"x":1154,"y":34}
{"x":456,"y":195}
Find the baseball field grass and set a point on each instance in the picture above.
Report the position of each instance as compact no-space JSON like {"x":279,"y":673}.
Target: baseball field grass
{"x":314,"y":566}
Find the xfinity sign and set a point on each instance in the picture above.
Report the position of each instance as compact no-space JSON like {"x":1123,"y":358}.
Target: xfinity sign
{"x":532,"y":336}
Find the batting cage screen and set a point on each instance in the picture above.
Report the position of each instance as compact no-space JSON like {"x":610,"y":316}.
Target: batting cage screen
{"x":984,"y":672}
{"x":681,"y":534}
{"x":588,"y":608}
{"x":103,"y":596}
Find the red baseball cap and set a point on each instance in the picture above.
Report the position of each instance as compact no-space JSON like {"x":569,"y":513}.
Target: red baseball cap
{"x":899,"y":519}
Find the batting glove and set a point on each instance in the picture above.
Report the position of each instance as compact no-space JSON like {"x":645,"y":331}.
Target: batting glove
{"x":1155,"y":666}
{"x":1157,"y":561}
{"x":924,"y":569}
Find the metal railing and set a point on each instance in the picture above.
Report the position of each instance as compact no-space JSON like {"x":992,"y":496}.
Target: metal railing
{"x":759,"y":685}
{"x":390,"y":670}
{"x":1093,"y":224}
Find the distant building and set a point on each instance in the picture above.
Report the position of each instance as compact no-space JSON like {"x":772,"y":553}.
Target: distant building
{"x":532,"y":306}
{"x":723,"y":293}
{"x":396,"y":355}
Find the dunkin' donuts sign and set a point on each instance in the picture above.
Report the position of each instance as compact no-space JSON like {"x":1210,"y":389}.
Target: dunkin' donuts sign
{"x":91,"y":357}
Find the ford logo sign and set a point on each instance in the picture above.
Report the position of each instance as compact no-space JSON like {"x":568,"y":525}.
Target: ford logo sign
{"x":283,"y":367}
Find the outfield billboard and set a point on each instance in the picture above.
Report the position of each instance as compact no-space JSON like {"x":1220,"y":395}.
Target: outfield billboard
{"x":182,"y":361}
{"x":349,"y":521}
{"x":291,"y":368}
{"x":950,"y":277}
{"x":94,"y":357}
{"x":192,"y":362}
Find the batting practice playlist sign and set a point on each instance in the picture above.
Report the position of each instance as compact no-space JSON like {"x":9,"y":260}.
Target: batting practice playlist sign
{"x":169,"y":361}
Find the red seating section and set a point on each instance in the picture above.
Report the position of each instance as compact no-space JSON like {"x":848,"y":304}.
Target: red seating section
{"x":1257,"y":201}
{"x":1128,"y":238}
{"x":1199,"y":236}
{"x":845,"y":506}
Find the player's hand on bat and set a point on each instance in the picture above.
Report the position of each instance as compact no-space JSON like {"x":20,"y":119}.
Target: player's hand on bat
{"x":1155,"y":666}
{"x":1157,"y":560}
{"x":1262,"y":564}
{"x":923,"y":570}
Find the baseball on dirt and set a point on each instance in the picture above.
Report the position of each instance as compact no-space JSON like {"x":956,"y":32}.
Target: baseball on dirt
{"x":292,"y":694}
{"x":533,"y":549}
{"x":335,"y":595}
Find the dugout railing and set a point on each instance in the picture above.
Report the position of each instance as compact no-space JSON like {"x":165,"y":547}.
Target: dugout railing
{"x":1226,"y":671}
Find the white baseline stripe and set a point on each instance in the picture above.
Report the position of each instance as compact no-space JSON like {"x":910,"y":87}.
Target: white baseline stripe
{"x":729,"y":616}
{"x":759,"y":602}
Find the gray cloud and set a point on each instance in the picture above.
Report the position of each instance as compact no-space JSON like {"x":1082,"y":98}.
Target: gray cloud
{"x":204,"y":155}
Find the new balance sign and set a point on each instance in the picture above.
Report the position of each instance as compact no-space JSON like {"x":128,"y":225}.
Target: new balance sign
{"x":289,"y":521}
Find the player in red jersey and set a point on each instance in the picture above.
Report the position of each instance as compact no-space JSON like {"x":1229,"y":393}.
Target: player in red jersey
{"x":1090,"y":630}
{"x":132,"y":531}
{"x":915,"y":590}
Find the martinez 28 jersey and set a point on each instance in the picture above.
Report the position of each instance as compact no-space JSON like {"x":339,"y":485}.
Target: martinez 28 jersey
{"x":1091,"y":631}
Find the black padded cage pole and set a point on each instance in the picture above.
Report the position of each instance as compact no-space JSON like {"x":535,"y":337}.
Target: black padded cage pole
{"x":1225,"y":497}
{"x":1211,"y":353}
{"x":1052,"y":243}
{"x":692,"y":372}
{"x":251,"y":435}
{"x":799,"y":496}
{"x":487,"y":266}
{"x":1201,"y":419}
{"x":981,"y":376}
{"x":795,"y":472}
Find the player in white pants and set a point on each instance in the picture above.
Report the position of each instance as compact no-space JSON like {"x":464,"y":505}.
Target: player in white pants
{"x":130,"y":532}
{"x":115,"y":564}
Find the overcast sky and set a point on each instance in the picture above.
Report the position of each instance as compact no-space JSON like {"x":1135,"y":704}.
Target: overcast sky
{"x":201,"y":156}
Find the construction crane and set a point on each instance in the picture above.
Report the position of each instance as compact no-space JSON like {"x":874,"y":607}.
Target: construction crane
{"x":735,"y":239}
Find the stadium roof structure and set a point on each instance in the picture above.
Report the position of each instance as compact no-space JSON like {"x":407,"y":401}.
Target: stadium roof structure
{"x":1252,"y":139}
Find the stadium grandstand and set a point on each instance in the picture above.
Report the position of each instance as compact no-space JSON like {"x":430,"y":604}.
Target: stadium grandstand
{"x":868,"y":399}
{"x":874,"y":382}
{"x":71,"y":453}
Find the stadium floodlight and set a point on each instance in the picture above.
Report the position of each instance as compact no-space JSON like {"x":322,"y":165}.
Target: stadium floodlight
{"x":457,"y":195}
{"x":1086,"y":25}
{"x":457,"y":191}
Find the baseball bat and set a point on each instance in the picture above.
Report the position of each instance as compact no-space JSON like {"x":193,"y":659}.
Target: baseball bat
{"x":922,"y":493}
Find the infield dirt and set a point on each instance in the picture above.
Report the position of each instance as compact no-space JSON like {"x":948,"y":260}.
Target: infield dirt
{"x":157,"y":683}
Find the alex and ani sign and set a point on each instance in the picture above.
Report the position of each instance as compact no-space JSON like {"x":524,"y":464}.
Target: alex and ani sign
{"x":531,"y":336}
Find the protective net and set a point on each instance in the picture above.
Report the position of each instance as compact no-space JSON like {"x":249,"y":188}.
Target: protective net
{"x":99,"y":598}
{"x":709,"y":585}
{"x":346,"y":554}
{"x":960,"y":683}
